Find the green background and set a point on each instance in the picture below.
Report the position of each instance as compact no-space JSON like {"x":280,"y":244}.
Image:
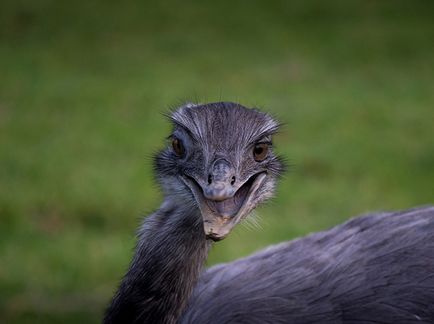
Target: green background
{"x":82,"y":88}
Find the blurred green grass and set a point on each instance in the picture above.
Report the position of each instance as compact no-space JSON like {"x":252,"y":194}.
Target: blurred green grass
{"x":82,"y":88}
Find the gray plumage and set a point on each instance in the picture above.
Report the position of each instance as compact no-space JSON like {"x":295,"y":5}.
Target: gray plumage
{"x":377,"y":268}
{"x":373,"y":269}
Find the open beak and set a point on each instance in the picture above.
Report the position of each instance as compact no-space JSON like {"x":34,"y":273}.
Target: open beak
{"x":221,"y":215}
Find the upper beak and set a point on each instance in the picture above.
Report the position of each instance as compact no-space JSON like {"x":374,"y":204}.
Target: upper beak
{"x":218,"y":191}
{"x":221,"y":181}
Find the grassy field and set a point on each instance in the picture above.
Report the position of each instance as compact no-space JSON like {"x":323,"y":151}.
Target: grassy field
{"x":82,"y":88}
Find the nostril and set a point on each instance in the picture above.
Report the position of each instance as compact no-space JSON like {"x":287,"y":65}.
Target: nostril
{"x":233,"y":181}
{"x":209,"y":179}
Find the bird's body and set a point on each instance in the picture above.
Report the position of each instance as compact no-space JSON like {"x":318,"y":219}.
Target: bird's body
{"x":377,"y":268}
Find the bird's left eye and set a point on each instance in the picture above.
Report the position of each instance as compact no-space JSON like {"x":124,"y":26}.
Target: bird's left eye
{"x":178,"y":147}
{"x":260,"y":152}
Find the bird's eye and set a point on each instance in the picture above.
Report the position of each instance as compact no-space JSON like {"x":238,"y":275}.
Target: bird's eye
{"x":178,"y":147}
{"x":260,"y":152}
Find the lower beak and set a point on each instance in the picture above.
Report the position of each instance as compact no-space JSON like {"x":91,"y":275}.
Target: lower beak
{"x":218,"y":226}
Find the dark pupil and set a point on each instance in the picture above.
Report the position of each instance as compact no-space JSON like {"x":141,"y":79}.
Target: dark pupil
{"x":177,"y":146}
{"x":260,"y":152}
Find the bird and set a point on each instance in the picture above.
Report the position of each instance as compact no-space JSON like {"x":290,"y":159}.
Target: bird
{"x":219,"y":165}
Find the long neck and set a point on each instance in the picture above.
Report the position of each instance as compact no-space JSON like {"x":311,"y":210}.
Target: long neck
{"x":168,"y":259}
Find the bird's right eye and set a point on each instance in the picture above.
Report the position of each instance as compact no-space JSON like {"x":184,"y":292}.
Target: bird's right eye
{"x":178,"y":147}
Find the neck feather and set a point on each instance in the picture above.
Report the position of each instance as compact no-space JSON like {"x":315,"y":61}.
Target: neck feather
{"x":169,"y":256}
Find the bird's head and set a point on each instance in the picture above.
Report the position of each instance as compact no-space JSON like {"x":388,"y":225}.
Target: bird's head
{"x":219,"y":160}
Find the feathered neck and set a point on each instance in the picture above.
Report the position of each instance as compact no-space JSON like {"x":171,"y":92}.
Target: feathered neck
{"x":169,"y":256}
